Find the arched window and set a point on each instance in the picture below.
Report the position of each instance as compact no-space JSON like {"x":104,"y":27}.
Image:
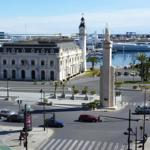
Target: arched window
{"x":42,"y":75}
{"x":23,"y":74}
{"x":52,"y":75}
{"x":13,"y":74}
{"x":5,"y":74}
{"x":33,"y":75}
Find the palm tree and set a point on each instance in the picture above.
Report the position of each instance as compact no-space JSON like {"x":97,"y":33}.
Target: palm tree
{"x":93,"y":60}
{"x":56,"y":86}
{"x":73,"y":92}
{"x":85,"y":91}
{"x":142,"y":59}
{"x":63,"y":84}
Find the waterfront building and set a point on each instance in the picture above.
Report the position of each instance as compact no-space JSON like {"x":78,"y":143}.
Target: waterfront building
{"x":57,"y":59}
{"x":107,"y":74}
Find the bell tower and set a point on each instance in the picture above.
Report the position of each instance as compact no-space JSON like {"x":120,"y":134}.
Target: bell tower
{"x":82,"y":41}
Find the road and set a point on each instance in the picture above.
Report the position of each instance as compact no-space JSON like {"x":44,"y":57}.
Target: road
{"x":105,"y":135}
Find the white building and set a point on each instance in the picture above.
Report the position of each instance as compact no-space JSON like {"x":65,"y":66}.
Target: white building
{"x":55,"y":60}
{"x":107,"y":74}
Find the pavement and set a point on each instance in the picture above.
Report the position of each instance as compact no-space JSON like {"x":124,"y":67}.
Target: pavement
{"x":9,"y":138}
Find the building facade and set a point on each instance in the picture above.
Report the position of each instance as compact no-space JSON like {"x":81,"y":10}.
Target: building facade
{"x":58,"y":59}
{"x":40,"y":61}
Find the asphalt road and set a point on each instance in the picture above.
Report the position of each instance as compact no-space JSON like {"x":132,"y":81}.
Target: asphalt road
{"x":110,"y":130}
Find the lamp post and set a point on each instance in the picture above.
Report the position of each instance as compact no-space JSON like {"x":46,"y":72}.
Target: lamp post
{"x":143,"y":142}
{"x":44,"y":110}
{"x":7,"y":89}
{"x":43,"y":100}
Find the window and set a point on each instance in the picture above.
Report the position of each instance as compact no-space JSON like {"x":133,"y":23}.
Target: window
{"x":42,"y":63}
{"x":51,"y":63}
{"x":32,"y":62}
{"x":4,"y":62}
{"x":22,"y":62}
{"x":13,"y":62}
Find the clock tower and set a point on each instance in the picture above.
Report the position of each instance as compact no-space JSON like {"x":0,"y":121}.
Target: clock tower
{"x":82,"y":41}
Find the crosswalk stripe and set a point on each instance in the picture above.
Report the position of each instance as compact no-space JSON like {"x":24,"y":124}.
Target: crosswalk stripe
{"x":91,"y":145}
{"x":79,"y":145}
{"x":61,"y":144}
{"x":97,"y":146}
{"x":85,"y":145}
{"x":110,"y":146}
{"x":123,"y":147}
{"x":116,"y":146}
{"x":50,"y":143}
{"x":104,"y":146}
{"x":73,"y":144}
{"x":55,"y":144}
{"x":67,"y":144}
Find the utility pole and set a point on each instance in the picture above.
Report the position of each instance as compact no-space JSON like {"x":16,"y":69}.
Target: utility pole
{"x":143,"y":142}
{"x":25,"y":128}
{"x":136,"y":138}
{"x":129,"y":129}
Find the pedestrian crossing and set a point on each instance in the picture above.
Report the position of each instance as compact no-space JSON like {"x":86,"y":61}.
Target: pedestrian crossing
{"x":135,"y":103}
{"x":70,"y":144}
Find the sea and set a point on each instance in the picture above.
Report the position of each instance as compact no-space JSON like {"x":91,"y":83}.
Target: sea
{"x":122,"y":58}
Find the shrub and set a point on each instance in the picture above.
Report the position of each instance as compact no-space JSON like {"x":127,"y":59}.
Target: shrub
{"x":134,"y":87}
{"x":93,"y":92}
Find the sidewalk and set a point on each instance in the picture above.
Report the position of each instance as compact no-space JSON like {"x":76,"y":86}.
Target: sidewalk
{"x":36,"y":139}
{"x":147,"y":145}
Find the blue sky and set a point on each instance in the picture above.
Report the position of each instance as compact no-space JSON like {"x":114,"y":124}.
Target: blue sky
{"x":63,"y":16}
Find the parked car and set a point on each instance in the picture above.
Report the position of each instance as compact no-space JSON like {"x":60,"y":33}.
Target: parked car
{"x":142,"y":110}
{"x":88,"y":118}
{"x":6,"y":112}
{"x":53,"y":123}
{"x":15,"y":118}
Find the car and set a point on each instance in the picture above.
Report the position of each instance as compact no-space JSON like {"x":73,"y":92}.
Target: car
{"x":126,"y":73}
{"x":142,"y":110}
{"x":53,"y":123}
{"x":15,"y":118}
{"x":6,"y":112}
{"x":88,"y":118}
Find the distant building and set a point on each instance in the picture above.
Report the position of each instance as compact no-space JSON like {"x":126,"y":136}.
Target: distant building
{"x":58,"y":59}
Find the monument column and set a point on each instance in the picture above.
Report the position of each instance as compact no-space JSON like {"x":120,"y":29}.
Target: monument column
{"x":107,"y":73}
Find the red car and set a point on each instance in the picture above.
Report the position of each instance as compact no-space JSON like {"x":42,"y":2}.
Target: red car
{"x":88,"y":118}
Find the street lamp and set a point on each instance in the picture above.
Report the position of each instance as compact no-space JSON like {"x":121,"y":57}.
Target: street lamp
{"x":43,"y":100}
{"x":133,"y":134}
{"x":7,"y":97}
{"x":44,"y":109}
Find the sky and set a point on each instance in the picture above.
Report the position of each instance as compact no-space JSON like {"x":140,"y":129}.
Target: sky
{"x":63,"y":16}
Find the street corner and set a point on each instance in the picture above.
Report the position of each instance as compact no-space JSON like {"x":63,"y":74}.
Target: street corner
{"x":38,"y":137}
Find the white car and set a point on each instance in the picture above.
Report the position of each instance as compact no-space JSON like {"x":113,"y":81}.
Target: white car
{"x":6,"y":112}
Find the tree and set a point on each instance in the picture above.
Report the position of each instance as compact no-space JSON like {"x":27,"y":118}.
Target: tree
{"x":142,"y":59}
{"x":73,"y":92}
{"x":63,"y":84}
{"x":56,"y":83}
{"x":93,"y":60}
{"x":85,"y":91}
